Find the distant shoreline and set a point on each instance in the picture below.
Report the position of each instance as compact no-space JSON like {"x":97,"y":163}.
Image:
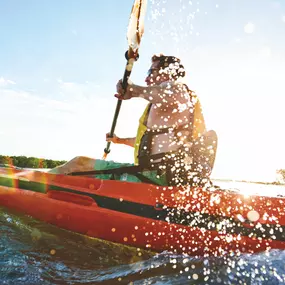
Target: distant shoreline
{"x":29,"y":162}
{"x":248,"y":181}
{"x":38,"y":163}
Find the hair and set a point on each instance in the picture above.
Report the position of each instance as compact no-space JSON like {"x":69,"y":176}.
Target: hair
{"x":170,"y":64}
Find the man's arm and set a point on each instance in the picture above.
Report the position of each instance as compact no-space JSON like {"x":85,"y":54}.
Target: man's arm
{"x":127,"y":141}
{"x":118,"y":140}
{"x":166,"y":94}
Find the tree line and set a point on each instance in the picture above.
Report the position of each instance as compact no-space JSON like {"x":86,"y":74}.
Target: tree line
{"x":29,"y":162}
{"x":34,"y":162}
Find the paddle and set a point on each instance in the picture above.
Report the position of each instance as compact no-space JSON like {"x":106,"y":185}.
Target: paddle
{"x":134,"y":35}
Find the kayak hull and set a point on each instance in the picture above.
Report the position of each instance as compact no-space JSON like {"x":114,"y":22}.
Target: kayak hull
{"x":134,"y":214}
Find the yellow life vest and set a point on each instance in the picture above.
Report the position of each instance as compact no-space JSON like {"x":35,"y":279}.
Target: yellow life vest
{"x":199,"y":126}
{"x":140,"y":132}
{"x":198,"y":129}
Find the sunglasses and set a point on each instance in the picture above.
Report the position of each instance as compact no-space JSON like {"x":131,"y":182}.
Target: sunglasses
{"x":151,"y":71}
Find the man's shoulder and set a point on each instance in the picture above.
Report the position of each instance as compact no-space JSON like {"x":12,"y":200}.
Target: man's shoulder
{"x":179,"y":86}
{"x":172,"y":84}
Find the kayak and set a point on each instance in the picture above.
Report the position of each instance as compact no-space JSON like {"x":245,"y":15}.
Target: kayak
{"x":193,"y":221}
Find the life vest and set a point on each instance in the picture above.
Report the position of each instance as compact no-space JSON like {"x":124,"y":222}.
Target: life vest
{"x":196,"y":127}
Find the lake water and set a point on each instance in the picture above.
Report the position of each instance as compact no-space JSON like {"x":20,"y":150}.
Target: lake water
{"x":32,"y":252}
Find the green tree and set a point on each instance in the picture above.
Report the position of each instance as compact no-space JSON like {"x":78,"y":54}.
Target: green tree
{"x":4,"y":159}
{"x":60,"y":162}
{"x":43,"y":163}
{"x":22,"y":161}
{"x":30,"y":162}
{"x":15,"y":160}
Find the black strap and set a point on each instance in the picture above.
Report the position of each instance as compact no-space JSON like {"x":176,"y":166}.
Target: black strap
{"x":174,"y":129}
{"x":144,"y":179}
{"x":120,"y":170}
{"x":134,"y":170}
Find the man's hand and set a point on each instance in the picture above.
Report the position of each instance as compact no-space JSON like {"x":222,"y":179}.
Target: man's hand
{"x":113,"y":139}
{"x":123,"y":94}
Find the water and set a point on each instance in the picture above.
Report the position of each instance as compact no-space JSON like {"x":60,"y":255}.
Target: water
{"x":32,"y":252}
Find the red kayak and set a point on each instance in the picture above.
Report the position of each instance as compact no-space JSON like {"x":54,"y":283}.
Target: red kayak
{"x":193,"y":221}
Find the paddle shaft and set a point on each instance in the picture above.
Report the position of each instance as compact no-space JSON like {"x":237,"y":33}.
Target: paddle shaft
{"x":128,"y":70}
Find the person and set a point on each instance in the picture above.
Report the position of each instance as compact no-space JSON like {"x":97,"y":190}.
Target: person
{"x":172,"y":145}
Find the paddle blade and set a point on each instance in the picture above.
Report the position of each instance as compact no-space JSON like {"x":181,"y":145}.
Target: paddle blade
{"x":136,"y":25}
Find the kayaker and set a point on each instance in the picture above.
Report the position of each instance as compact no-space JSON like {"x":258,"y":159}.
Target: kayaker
{"x":171,"y":142}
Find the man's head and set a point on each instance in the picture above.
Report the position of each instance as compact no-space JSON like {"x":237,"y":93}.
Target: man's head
{"x":164,"y":68}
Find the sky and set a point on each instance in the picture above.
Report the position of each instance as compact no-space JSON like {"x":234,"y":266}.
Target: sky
{"x":60,"y":62}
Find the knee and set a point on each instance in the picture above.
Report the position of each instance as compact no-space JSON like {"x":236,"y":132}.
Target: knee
{"x":78,"y":158}
{"x":81,"y":160}
{"x":75,"y":159}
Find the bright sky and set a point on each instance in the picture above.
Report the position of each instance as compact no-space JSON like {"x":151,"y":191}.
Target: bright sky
{"x":60,"y":62}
